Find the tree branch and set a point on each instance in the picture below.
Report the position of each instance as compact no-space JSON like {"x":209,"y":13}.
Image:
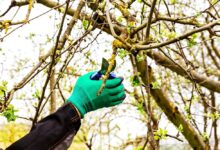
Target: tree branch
{"x":163,"y":18}
{"x":198,"y":78}
{"x":179,"y":38}
{"x":51,"y":65}
{"x":14,"y":4}
{"x":150,"y":19}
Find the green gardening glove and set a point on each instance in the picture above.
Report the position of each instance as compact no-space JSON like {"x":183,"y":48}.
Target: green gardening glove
{"x":84,"y":96}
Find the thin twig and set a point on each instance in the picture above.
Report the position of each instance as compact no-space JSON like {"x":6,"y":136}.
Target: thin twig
{"x":51,"y":65}
{"x":24,"y":23}
{"x":150,"y":19}
{"x":179,"y":38}
{"x":109,"y":20}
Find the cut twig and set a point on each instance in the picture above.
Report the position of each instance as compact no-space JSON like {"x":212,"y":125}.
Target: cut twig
{"x":111,"y":65}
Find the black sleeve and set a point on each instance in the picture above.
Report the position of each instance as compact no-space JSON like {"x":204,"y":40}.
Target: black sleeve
{"x":56,"y":131}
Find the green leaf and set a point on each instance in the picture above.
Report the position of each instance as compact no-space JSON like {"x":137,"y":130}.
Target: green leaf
{"x":180,"y":128}
{"x":156,"y":137}
{"x":122,"y":53}
{"x":214,"y":2}
{"x":192,"y":40}
{"x":105,"y":65}
{"x":213,"y":116}
{"x":210,"y":70}
{"x":9,"y":113}
{"x":188,"y":116}
{"x":1,"y":93}
{"x":134,"y":80}
{"x":160,"y":134}
{"x":186,"y":108}
{"x":130,"y":26}
{"x":140,"y":108}
{"x":119,"y":19}
{"x":37,"y":94}
{"x":3,"y":87}
{"x":194,"y":36}
{"x":205,"y":136}
{"x":140,"y":58}
{"x":139,"y":148}
{"x":173,"y":1}
{"x":171,"y":35}
{"x":155,"y":85}
{"x":85,"y":24}
{"x":62,"y":10}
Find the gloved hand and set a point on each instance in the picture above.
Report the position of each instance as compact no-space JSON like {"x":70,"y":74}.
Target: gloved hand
{"x":84,"y":96}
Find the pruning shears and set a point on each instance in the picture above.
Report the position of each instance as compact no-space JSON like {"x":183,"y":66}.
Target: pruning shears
{"x":98,"y":74}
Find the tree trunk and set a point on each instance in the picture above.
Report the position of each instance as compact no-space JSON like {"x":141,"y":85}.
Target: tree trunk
{"x":171,"y":111}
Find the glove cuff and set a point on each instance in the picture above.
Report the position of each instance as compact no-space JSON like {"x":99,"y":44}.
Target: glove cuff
{"x":76,"y":102}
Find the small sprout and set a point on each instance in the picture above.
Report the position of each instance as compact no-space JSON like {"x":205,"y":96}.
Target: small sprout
{"x":119,"y":19}
{"x":85,"y":24}
{"x":192,"y":41}
{"x":62,"y":10}
{"x":5,"y":25}
{"x":140,"y":108}
{"x":171,"y":35}
{"x":205,"y":136}
{"x":160,"y":134}
{"x":214,"y":2}
{"x":180,"y":128}
{"x":130,"y":26}
{"x":3,"y":87}
{"x":134,"y":80}
{"x":9,"y":113}
{"x":210,"y":70}
{"x":186,"y":108}
{"x":155,"y":85}
{"x":173,"y":1}
{"x":213,"y":116}
{"x":188,"y":117}
{"x":37,"y":94}
{"x":122,"y":52}
{"x":140,"y":58}
{"x":139,"y":148}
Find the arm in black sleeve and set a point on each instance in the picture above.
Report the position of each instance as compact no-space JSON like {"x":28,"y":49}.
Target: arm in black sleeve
{"x":56,"y":131}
